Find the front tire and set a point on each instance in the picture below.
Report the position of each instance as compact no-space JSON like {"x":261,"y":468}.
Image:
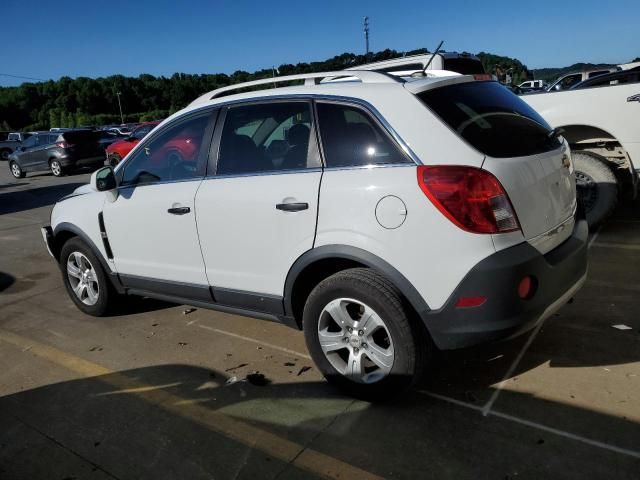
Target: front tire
{"x":85,"y":279}
{"x":597,"y":187}
{"x":16,"y":171}
{"x":362,"y":337}
{"x":56,"y":168}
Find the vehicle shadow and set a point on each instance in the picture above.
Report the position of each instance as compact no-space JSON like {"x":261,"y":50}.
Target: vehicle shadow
{"x":182,"y":421}
{"x":6,"y":281}
{"x":13,"y":202}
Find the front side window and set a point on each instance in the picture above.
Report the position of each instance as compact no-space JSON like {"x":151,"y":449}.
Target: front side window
{"x":266,"y":137}
{"x":350,"y":137}
{"x":175,"y":154}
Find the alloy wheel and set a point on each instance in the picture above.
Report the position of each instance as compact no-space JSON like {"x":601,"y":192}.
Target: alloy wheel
{"x":82,"y":278}
{"x":15,"y":170}
{"x":355,"y":340}
{"x":55,"y":168}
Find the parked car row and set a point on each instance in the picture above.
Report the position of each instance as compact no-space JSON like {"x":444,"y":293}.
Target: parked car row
{"x":62,"y":150}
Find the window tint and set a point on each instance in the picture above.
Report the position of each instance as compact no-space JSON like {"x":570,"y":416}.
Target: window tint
{"x":350,"y":137}
{"x":266,"y":137}
{"x":173,"y":155}
{"x":491,"y":118}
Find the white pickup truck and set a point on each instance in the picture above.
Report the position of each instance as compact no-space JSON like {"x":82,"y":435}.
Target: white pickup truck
{"x":602,"y":125}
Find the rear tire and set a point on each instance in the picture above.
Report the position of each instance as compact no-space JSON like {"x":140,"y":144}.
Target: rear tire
{"x":4,"y":153}
{"x":597,"y":187}
{"x":16,"y":171}
{"x":383,"y":354}
{"x":56,"y":168}
{"x":85,"y":280}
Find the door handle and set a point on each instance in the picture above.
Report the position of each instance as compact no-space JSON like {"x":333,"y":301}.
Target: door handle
{"x":292,"y":207}
{"x":179,"y":210}
{"x":634,"y":98}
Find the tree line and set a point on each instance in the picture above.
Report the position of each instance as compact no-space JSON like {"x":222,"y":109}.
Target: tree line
{"x":83,"y":101}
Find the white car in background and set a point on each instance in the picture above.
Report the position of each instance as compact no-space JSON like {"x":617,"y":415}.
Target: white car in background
{"x":384,"y":217}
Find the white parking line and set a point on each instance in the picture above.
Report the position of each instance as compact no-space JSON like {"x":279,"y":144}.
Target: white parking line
{"x":623,"y":246}
{"x":536,"y":425}
{"x":593,"y":239}
{"x":253,"y":340}
{"x":487,"y":408}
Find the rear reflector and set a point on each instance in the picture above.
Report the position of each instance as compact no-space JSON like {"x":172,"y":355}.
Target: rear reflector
{"x":473,"y":199}
{"x":526,"y":288}
{"x":470,"y":302}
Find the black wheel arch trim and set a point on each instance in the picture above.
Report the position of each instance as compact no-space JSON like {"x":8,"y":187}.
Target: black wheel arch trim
{"x":347,"y":252}
{"x":71,"y":228}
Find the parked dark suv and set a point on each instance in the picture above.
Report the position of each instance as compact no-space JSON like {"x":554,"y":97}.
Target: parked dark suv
{"x":59,"y":152}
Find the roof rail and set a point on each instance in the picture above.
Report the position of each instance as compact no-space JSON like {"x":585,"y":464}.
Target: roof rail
{"x":365,"y":76}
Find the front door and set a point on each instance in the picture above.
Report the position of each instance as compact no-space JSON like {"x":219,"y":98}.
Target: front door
{"x":151,"y":225}
{"x":257,"y":214}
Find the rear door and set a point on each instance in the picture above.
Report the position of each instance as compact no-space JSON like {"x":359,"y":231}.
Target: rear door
{"x":29,"y":156}
{"x":257,"y":213}
{"x":533,"y":166}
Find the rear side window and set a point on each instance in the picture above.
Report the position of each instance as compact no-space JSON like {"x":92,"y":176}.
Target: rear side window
{"x":267,"y":137}
{"x":491,"y":118}
{"x":81,"y":136}
{"x":350,"y":137}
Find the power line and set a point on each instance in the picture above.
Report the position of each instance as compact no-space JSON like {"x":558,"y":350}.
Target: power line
{"x":21,"y":77}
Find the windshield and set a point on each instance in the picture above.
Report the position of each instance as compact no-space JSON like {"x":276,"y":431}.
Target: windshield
{"x":491,"y":118}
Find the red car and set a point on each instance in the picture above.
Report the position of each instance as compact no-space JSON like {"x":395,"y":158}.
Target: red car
{"x":118,"y":150}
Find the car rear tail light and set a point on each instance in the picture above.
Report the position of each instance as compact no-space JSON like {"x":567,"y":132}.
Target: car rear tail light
{"x":470,"y":197}
{"x":470,"y":302}
{"x":64,"y":145}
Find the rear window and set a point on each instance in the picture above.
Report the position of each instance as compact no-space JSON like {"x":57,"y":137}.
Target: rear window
{"x":465,"y":66}
{"x":491,"y":118}
{"x":81,"y":136}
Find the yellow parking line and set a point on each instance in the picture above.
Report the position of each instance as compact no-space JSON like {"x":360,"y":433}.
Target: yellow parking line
{"x":297,"y":455}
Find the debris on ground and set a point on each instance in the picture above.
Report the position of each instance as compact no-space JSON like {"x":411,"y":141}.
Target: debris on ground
{"x":258,"y":348}
{"x":187,"y":311}
{"x":289,"y":364}
{"x":231,"y":381}
{"x":258,"y":379}
{"x":622,"y":326}
{"x":97,"y":348}
{"x":154,"y":324}
{"x":303,"y":369}
{"x":183,"y":344}
{"x":236,"y":367}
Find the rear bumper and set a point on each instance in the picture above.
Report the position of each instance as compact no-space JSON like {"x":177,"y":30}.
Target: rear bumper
{"x":559,"y":275}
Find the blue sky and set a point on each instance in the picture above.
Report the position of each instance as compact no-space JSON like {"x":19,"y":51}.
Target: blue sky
{"x":100,"y":38}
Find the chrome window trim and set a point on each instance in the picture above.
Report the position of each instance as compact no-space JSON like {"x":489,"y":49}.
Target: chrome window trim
{"x":266,"y":173}
{"x":337,"y":99}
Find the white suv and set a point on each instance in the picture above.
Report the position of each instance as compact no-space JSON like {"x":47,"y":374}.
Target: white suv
{"x":386,"y":217}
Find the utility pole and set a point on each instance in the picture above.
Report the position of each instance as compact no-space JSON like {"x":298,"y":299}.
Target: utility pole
{"x":120,"y":106}
{"x":366,"y":34}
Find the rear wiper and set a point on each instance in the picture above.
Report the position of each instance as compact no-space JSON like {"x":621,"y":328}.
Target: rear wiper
{"x":555,"y":133}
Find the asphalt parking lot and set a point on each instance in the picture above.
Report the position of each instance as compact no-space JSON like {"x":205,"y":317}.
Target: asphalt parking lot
{"x":165,"y":392}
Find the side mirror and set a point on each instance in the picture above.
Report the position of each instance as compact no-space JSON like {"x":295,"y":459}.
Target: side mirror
{"x":104,"y":179}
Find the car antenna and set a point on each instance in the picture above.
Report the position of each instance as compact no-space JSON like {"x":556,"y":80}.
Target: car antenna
{"x":424,"y":70}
